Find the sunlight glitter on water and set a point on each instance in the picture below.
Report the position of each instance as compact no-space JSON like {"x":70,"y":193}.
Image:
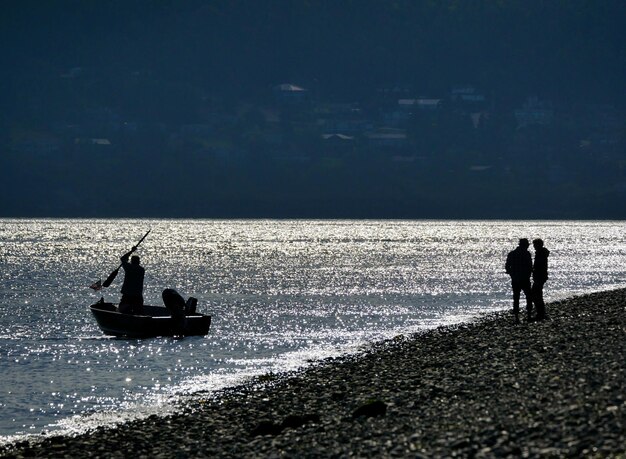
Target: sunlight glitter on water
{"x":281,"y":294}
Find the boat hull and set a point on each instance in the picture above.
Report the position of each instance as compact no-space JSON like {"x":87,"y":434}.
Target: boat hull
{"x":155,"y":321}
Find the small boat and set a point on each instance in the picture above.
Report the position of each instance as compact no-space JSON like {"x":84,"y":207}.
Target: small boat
{"x":155,"y":321}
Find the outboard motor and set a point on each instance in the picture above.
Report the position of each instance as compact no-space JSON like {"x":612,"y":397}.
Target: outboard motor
{"x":175,"y":304}
{"x":190,"y":305}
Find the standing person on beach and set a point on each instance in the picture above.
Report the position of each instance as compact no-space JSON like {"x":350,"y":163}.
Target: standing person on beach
{"x":132,"y":288}
{"x":519,"y":265}
{"x":540,"y":276}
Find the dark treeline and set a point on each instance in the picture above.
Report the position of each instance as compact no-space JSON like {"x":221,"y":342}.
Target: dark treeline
{"x":98,"y":97}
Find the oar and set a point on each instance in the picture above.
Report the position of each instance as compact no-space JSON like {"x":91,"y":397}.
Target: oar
{"x":112,"y":276}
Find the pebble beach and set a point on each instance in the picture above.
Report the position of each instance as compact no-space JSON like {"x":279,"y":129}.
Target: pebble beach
{"x":488,"y":388}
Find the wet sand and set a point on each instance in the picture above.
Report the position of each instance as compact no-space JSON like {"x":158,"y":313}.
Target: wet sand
{"x":491,"y":388}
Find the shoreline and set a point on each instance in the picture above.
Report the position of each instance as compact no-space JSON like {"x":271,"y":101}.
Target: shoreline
{"x":487,"y":388}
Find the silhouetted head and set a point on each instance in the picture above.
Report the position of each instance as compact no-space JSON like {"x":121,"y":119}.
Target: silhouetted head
{"x":524,"y":243}
{"x":538,"y":243}
{"x":134,"y":260}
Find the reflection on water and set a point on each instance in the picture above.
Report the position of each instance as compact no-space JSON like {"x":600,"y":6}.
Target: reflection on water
{"x":280,"y":293}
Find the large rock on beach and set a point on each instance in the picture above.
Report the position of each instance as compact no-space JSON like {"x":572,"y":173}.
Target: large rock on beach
{"x":371,"y":409}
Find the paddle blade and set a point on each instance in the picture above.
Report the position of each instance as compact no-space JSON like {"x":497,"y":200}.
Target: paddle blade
{"x":111,"y":278}
{"x":96,"y":286}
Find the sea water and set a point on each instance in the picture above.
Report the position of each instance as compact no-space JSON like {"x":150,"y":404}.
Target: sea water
{"x":282,"y":294}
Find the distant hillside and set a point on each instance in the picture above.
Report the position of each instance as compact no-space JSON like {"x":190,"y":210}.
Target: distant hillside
{"x":392,"y":108}
{"x":559,"y":49}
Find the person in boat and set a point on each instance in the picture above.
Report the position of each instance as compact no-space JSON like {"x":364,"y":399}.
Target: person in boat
{"x":132,"y":288}
{"x":519,"y":265}
{"x":540,"y":276}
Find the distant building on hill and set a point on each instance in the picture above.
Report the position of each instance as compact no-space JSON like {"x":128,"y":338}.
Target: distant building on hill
{"x":467,"y":99}
{"x":387,"y":138}
{"x":36,"y":144}
{"x":337,"y":144}
{"x":290,"y":93}
{"x":345,"y":119}
{"x":101,"y":142}
{"x":466,"y":94}
{"x":405,"y":109}
{"x":534,"y":112}
{"x":422,"y":103}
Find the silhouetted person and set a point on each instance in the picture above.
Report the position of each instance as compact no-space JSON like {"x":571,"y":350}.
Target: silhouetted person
{"x":132,"y":288}
{"x":540,"y":276}
{"x":519,"y":265}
